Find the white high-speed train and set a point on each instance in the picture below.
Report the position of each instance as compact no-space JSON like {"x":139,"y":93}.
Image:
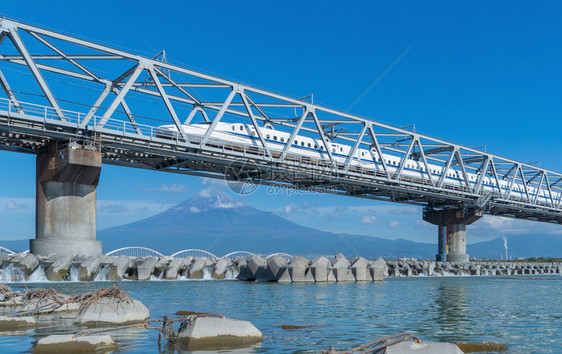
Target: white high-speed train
{"x":244,"y":134}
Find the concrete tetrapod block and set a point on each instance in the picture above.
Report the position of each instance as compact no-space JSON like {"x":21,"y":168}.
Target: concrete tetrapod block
{"x":378,"y":269}
{"x":88,"y":268}
{"x":284,"y":276}
{"x":254,"y":262}
{"x":319,"y":269}
{"x":274,"y":264}
{"x":341,"y":270}
{"x":264,"y":274}
{"x":105,"y":259}
{"x":117,"y":268}
{"x":297,"y":269}
{"x":423,"y":348}
{"x":210,"y":333}
{"x":196,"y":271}
{"x":146,"y":268}
{"x":298,"y":272}
{"x":173,"y":268}
{"x":81,"y":344}
{"x":16,"y":323}
{"x":113,"y":311}
{"x":58,"y":271}
{"x":4,"y":258}
{"x":300,"y":260}
{"x":26,"y":263}
{"x":331,"y":276}
{"x":161,"y":265}
{"x":359,"y":270}
{"x":220,"y":268}
{"x":244,"y":272}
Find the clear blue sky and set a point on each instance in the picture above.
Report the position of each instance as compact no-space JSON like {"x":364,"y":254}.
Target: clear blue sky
{"x":478,"y":73}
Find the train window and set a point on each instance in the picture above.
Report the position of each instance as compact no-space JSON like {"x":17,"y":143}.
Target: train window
{"x":282,"y":139}
{"x":321,"y":148}
{"x":341,"y":149}
{"x":275,"y":137}
{"x":362,"y":154}
{"x":267,"y":136}
{"x":315,"y":146}
{"x":241,"y":128}
{"x":233,"y":128}
{"x":333,"y":149}
{"x":302,"y":143}
{"x":296,"y":142}
{"x":253,"y":133}
{"x":308,"y":144}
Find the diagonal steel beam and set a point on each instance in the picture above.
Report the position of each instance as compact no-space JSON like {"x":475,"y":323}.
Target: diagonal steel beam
{"x":169,"y":106}
{"x":377,"y":147}
{"x":11,"y":95}
{"x":52,"y":69}
{"x":117,"y":101}
{"x":323,"y":136}
{"x":218,"y":117}
{"x":483,"y":169}
{"x":495,"y":173}
{"x":354,"y":149}
{"x":14,"y":36}
{"x":110,"y":86}
{"x":181,"y":89}
{"x":254,"y":122}
{"x":191,"y":115}
{"x":265,"y":116}
{"x":551,"y":197}
{"x":536,"y":198}
{"x":128,"y":112}
{"x":524,"y":183}
{"x":405,"y":158}
{"x":97,"y":104}
{"x":427,"y":169}
{"x":463,"y":170}
{"x":446,"y":168}
{"x":294,"y":133}
{"x":515,"y":171}
{"x":63,"y":54}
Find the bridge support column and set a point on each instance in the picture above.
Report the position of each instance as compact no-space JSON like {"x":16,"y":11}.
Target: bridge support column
{"x":452,"y":232}
{"x":67,"y":177}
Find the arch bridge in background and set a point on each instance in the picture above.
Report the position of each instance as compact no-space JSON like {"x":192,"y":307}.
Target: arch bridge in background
{"x":284,"y":255}
{"x":236,"y":254}
{"x":194,"y":253}
{"x":7,"y":251}
{"x":135,"y":251}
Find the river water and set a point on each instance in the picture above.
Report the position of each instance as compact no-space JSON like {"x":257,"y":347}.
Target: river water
{"x":524,"y":312}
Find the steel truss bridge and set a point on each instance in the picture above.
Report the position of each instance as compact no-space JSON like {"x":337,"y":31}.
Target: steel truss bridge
{"x":91,"y":94}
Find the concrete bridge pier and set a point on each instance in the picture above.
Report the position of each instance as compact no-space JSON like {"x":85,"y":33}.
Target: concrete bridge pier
{"x":67,"y":177}
{"x":452,"y":231}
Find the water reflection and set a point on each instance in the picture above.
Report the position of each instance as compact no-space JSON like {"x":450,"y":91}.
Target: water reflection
{"x":451,"y":305}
